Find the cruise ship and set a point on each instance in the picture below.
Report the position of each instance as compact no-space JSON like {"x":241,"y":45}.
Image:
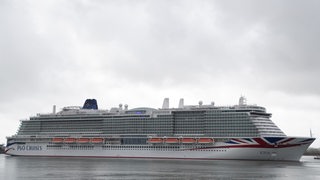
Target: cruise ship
{"x":202,"y":131}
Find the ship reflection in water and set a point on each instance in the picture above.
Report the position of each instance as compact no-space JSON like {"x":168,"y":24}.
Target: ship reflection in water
{"x":94,"y":168}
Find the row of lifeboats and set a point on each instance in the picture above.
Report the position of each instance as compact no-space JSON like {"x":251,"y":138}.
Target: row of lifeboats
{"x":77,"y":140}
{"x":186,"y":140}
{"x":154,"y":140}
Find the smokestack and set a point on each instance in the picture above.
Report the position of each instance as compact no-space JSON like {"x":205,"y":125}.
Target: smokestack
{"x":165,"y":104}
{"x":54,"y":109}
{"x":181,"y":103}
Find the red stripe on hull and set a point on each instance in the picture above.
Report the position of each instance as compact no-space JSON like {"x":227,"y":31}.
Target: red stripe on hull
{"x":286,"y":141}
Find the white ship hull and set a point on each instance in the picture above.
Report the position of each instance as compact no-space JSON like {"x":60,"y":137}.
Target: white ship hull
{"x":285,"y":152}
{"x":242,"y":132}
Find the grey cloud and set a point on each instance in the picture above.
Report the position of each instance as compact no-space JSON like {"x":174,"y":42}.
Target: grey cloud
{"x":273,"y":44}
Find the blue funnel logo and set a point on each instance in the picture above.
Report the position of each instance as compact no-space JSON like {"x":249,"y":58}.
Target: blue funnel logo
{"x":90,"y":104}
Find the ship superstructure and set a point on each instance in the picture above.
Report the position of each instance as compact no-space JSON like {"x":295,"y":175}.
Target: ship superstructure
{"x":189,"y":132}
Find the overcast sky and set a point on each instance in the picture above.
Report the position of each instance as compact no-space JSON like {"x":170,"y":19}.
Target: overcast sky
{"x":139,"y":52}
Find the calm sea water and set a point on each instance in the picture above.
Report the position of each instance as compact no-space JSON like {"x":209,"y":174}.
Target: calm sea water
{"x":86,"y":168}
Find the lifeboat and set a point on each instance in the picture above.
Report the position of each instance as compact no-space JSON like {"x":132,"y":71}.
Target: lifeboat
{"x":57,"y":140}
{"x":188,"y":140}
{"x":83,"y":140}
{"x":155,"y":140}
{"x":70,"y":140}
{"x":205,"y":140}
{"x":97,"y":140}
{"x":172,"y":140}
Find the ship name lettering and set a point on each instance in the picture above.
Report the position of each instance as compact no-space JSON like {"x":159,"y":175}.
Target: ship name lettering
{"x":29,"y":148}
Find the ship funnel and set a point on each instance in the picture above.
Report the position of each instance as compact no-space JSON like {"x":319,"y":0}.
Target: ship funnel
{"x":54,"y":109}
{"x":90,"y":104}
{"x":181,"y":103}
{"x":165,"y":104}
